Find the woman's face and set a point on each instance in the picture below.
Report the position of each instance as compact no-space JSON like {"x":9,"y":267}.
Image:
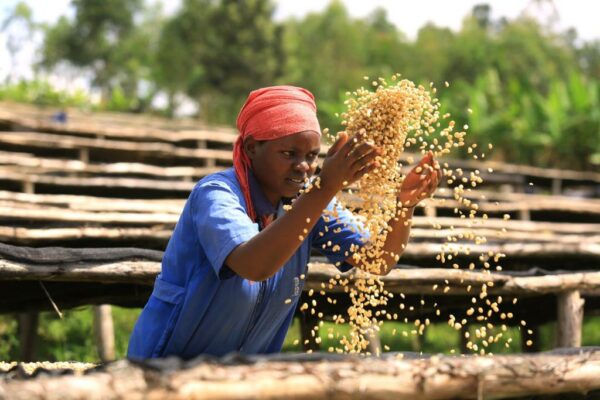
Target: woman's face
{"x":282,"y":165}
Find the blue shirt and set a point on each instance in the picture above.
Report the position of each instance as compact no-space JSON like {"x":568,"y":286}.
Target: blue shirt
{"x":200,"y":306}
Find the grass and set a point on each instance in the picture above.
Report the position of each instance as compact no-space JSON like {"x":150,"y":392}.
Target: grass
{"x":72,"y":339}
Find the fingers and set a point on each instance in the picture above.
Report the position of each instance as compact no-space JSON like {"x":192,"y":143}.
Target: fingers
{"x":367,"y":161}
{"x":349,"y":145}
{"x":367,"y":168}
{"x":433,"y":184}
{"x":363,"y":153}
{"x":425,"y":187}
{"x":361,"y":149}
{"x":342,"y":140}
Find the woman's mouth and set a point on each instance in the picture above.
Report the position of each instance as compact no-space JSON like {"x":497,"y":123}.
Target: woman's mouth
{"x":296,"y":181}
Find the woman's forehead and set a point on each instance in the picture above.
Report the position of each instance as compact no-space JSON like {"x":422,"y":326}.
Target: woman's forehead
{"x":305,"y":139}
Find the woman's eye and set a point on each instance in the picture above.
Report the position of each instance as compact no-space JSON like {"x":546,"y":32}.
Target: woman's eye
{"x":288,"y":153}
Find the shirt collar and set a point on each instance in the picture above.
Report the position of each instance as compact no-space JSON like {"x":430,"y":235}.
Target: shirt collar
{"x":262,"y":206}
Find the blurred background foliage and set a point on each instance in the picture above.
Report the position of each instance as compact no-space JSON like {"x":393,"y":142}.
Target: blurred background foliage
{"x":71,"y":338}
{"x":534,"y":92}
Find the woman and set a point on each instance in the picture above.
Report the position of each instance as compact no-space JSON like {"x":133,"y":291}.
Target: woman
{"x":235,"y":259}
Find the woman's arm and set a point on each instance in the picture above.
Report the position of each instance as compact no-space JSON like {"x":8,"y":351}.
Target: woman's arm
{"x":264,"y":254}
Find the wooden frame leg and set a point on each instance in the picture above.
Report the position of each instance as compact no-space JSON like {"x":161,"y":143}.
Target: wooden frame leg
{"x":104,"y":332}
{"x":569,"y":321}
{"x":28,"y":326}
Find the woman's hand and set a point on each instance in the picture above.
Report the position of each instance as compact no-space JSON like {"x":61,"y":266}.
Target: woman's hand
{"x":347,"y":161}
{"x":421,"y":182}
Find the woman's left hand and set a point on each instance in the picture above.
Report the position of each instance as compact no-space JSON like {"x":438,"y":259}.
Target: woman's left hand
{"x":421,"y":182}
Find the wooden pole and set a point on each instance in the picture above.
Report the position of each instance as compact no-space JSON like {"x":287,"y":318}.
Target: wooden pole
{"x":430,"y":211}
{"x":84,"y":155}
{"x":104,"y":332}
{"x":374,"y":341}
{"x":28,"y":325}
{"x":534,"y":337}
{"x":438,"y":377}
{"x":308,"y":323}
{"x":569,"y":321}
{"x":556,"y":186}
{"x":463,"y":340}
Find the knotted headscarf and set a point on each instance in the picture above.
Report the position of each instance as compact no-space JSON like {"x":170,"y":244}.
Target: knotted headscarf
{"x":271,"y":113}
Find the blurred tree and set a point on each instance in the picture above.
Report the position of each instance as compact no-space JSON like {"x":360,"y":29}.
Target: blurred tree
{"x":104,"y":37}
{"x":589,"y":58}
{"x":18,"y":27}
{"x":387,"y":49}
{"x":533,"y":92}
{"x":326,"y":51}
{"x":482,"y":14}
{"x":327,"y":55}
{"x":218,"y":51}
{"x":533,"y":56}
{"x":432,"y":54}
{"x":175,"y":57}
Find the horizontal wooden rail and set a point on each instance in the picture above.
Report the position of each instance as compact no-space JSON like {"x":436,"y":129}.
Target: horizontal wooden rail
{"x":329,"y":377}
{"x":174,"y":206}
{"x":162,"y":232}
{"x":104,"y":185}
{"x":32,"y":165}
{"x":407,"y":281}
{"x":49,"y":141}
{"x":132,"y":126}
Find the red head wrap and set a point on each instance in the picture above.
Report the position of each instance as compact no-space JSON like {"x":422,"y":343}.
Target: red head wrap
{"x":271,"y":113}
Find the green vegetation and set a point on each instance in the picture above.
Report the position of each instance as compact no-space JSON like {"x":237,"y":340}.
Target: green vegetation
{"x":534,"y":92}
{"x":72,"y":337}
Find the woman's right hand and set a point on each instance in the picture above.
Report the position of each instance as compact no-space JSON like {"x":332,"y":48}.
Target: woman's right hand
{"x":347,"y":161}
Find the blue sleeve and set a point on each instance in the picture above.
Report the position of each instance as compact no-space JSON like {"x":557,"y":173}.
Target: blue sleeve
{"x":336,"y":237}
{"x":221,"y":223}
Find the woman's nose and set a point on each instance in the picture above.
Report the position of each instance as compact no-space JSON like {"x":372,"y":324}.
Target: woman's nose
{"x":302,"y":165}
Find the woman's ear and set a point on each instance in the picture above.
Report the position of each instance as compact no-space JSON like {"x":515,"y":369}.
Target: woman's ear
{"x":250,"y":145}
